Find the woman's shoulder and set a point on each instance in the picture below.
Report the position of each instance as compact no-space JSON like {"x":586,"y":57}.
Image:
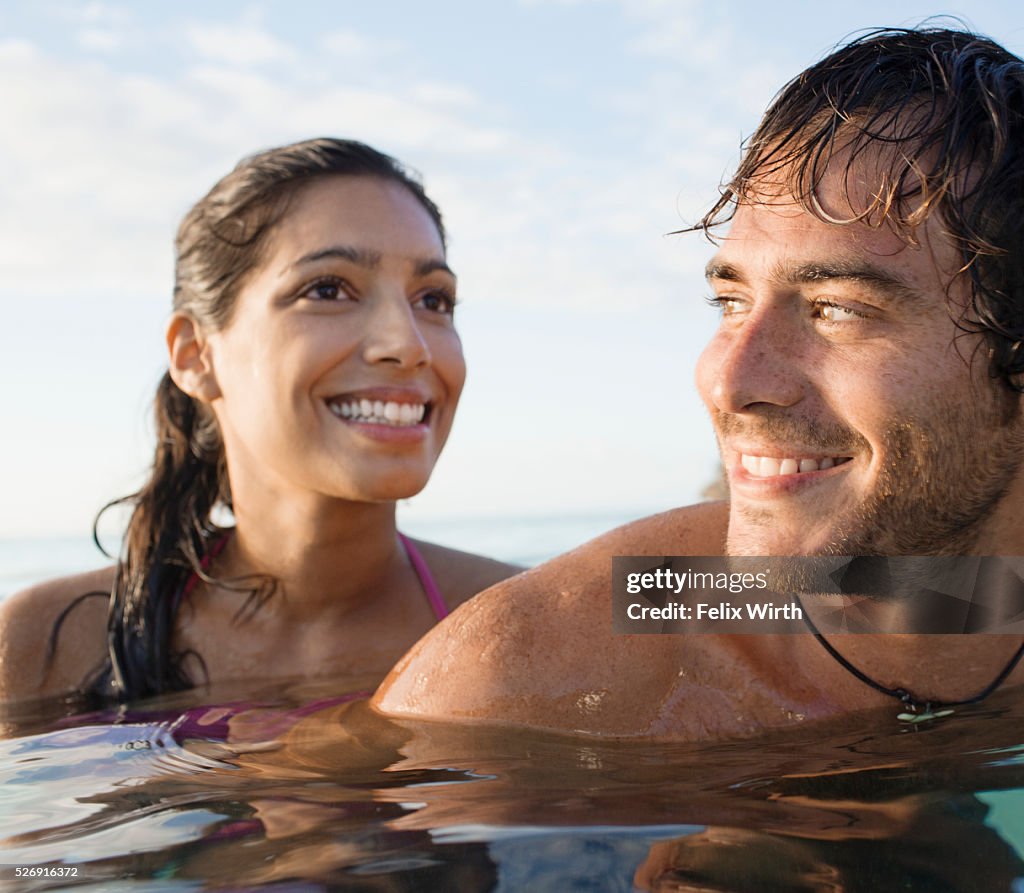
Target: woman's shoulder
{"x":461,"y":575}
{"x":28,"y":621}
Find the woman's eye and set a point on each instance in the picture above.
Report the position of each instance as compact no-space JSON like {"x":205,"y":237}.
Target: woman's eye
{"x":437,"y":302}
{"x":327,"y":290}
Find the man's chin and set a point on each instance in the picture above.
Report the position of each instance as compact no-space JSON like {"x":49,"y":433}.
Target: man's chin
{"x":761,"y":541}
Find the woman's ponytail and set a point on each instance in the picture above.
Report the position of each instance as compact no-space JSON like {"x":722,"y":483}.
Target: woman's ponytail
{"x":168,"y":535}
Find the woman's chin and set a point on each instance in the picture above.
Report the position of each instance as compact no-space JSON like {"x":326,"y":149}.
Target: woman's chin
{"x":389,"y":489}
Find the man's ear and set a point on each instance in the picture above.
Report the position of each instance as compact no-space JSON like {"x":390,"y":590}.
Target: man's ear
{"x":190,"y":362}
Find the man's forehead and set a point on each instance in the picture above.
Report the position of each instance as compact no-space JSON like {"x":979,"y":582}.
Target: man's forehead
{"x":857,"y":176}
{"x":781,"y":241}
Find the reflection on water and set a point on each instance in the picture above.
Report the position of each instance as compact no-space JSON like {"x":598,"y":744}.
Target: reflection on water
{"x":309,"y":790}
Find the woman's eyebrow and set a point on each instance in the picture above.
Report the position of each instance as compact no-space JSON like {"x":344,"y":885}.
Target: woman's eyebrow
{"x":431,"y":265}
{"x":365,"y":257}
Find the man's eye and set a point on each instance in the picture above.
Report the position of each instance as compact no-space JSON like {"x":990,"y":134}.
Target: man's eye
{"x":725,"y":305}
{"x":438,"y":302}
{"x":830,"y":312}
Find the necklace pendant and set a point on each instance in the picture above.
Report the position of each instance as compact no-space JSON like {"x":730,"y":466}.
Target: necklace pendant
{"x":926,"y":716}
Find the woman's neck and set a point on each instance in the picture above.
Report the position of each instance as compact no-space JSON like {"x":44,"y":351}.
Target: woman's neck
{"x":328,"y":557}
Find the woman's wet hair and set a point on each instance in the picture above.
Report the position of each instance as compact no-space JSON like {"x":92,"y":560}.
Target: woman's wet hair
{"x":935,"y":116}
{"x":173,"y":527}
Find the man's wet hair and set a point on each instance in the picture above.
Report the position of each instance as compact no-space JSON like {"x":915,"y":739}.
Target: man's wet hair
{"x":948,"y":107}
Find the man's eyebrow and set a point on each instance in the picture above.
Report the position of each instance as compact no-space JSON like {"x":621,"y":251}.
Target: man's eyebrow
{"x":850,"y":271}
{"x":880,"y":281}
{"x":721,"y":270}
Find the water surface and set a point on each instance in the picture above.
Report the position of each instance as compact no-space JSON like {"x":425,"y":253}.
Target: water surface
{"x":305,"y":789}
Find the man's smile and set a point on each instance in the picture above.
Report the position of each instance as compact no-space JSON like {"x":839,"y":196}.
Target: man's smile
{"x":771,"y":466}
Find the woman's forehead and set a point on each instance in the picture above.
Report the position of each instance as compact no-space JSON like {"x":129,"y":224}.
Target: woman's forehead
{"x":371,"y":214}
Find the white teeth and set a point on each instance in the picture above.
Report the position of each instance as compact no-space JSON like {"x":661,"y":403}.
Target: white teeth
{"x":769,"y":466}
{"x":379,"y":412}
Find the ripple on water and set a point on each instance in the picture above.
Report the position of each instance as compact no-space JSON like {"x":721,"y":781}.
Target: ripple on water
{"x":330,"y":796}
{"x":62,"y":780}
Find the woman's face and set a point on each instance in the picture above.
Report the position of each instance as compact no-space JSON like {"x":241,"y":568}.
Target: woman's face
{"x":340,"y":369}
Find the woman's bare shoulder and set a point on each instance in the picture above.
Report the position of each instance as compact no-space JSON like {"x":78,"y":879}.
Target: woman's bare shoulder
{"x":461,"y":575}
{"x":27,"y":622}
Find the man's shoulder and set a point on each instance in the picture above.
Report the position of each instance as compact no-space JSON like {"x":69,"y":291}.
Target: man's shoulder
{"x":522,"y":652}
{"x":28,"y":622}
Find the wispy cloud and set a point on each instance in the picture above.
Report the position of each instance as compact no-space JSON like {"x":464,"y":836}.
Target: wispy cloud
{"x":102,"y":40}
{"x":353,"y":46}
{"x":243,"y":45}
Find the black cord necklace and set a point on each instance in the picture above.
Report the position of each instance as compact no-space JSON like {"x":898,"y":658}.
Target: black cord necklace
{"x":919,"y":710}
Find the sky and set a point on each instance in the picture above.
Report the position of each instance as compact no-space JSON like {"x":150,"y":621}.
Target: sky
{"x":563,"y":139}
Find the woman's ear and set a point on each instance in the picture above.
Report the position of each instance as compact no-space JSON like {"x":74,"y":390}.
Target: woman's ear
{"x":191,"y":365}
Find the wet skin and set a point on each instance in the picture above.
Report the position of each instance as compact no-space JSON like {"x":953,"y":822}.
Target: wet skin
{"x":837,"y":342}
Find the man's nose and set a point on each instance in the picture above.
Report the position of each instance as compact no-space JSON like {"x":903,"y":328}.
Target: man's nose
{"x":758,"y":362}
{"x":394,"y":335}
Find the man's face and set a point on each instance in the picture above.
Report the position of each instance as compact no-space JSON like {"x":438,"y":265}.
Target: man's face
{"x":850,"y":416}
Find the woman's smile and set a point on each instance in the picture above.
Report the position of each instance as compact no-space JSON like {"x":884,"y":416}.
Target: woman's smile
{"x":385,"y":414}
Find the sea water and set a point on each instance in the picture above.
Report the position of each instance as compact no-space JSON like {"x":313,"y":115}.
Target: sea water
{"x":303,"y":789}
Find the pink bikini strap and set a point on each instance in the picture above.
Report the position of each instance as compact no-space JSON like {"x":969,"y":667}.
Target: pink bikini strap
{"x":204,"y":565}
{"x":426,"y":578}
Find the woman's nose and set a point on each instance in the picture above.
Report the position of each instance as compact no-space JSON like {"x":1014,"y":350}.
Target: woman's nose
{"x":393,"y":334}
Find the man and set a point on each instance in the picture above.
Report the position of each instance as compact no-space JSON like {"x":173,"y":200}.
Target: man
{"x":864,"y":385}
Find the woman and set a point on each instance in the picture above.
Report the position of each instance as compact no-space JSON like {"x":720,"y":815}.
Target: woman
{"x":313,"y":377}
